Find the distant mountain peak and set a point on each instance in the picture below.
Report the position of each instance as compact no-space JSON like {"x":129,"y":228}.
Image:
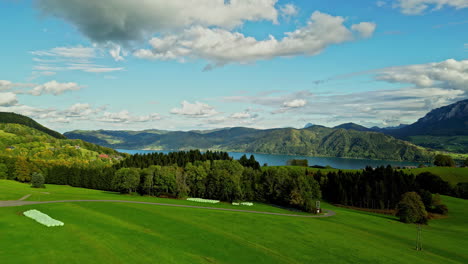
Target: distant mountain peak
{"x":353,"y":126}
{"x":450,"y":120}
{"x":309,"y":125}
{"x":456,"y":110}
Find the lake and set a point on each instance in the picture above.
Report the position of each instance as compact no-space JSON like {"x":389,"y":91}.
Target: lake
{"x":279,"y":160}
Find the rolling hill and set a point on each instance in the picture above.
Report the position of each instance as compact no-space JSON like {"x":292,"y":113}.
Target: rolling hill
{"x":312,"y":141}
{"x":13,"y":118}
{"x":21,"y":136}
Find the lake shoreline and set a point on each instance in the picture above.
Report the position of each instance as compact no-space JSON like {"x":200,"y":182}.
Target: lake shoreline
{"x":281,"y":159}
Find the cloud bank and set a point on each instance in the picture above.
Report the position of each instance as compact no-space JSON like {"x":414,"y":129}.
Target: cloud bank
{"x":55,"y":88}
{"x":123,"y":21}
{"x":221,"y":47}
{"x":416,"y":7}
{"x":196,"y":109}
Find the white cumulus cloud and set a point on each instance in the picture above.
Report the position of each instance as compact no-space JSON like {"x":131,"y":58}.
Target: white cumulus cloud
{"x":289,"y":10}
{"x":297,"y":103}
{"x":124,"y":116}
{"x":365,"y":29}
{"x":415,"y":7}
{"x":80,"y":110}
{"x":55,"y":88}
{"x":220,"y":46}
{"x":5,"y":85}
{"x":8,"y":99}
{"x":196,"y":109}
{"x":448,"y":74}
{"x":115,"y":52}
{"x":241,"y":115}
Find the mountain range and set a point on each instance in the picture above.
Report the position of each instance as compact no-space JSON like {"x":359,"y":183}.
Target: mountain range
{"x":347,"y":140}
{"x":313,"y":141}
{"x":444,"y":128}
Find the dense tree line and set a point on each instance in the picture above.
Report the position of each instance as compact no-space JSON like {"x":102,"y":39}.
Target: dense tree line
{"x":380,"y":188}
{"x":225,"y":180}
{"x":180,"y":158}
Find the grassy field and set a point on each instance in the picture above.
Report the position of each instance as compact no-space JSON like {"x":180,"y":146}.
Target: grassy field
{"x":12,"y":190}
{"x":451,"y":175}
{"x":139,"y":233}
{"x":454,"y":144}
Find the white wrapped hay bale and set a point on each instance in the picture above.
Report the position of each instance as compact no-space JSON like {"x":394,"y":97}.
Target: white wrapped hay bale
{"x":42,"y":218}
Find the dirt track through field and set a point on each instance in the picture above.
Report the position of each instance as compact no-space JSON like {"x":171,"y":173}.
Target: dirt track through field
{"x":24,"y":197}
{"x":20,"y":203}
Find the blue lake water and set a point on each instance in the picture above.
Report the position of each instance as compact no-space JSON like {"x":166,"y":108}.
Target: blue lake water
{"x":278,"y":160}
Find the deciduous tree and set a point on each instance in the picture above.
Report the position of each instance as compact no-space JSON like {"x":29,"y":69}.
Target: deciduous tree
{"x":37,"y":180}
{"x":126,"y":180}
{"x":411,"y":209}
{"x":443,"y":161}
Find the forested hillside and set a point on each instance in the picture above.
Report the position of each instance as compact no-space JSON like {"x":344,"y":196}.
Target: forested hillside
{"x":27,"y":142}
{"x":13,"y":118}
{"x":25,"y":150}
{"x":312,"y":141}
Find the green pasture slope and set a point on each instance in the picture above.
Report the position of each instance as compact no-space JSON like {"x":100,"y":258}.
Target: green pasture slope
{"x":451,"y":175}
{"x":139,"y":233}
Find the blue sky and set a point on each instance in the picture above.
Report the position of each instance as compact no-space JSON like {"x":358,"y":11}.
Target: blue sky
{"x":115,"y":64}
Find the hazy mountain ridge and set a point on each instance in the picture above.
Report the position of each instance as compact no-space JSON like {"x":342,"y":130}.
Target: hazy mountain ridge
{"x":444,"y":128}
{"x":353,"y":126}
{"x":450,"y":120}
{"x":312,"y":141}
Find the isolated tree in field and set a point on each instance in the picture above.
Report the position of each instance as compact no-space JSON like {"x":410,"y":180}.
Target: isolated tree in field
{"x":37,"y":180}
{"x":126,"y":180}
{"x":443,"y":161}
{"x":411,"y":209}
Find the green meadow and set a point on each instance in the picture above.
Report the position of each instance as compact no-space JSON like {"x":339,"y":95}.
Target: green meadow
{"x":451,"y":175}
{"x":97,"y":232}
